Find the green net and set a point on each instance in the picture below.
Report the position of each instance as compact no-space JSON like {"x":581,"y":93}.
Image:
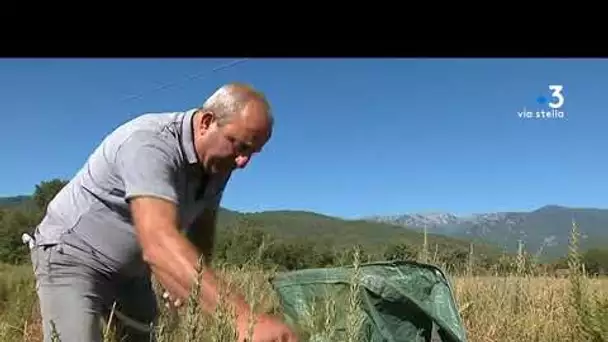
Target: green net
{"x":390,"y":301}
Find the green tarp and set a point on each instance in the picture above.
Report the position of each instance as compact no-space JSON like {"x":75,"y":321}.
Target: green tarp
{"x":392,"y":301}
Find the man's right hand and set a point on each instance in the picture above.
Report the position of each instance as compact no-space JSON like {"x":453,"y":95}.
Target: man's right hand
{"x":266,"y":329}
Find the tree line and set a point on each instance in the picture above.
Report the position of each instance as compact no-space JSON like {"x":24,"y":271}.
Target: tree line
{"x":243,"y":240}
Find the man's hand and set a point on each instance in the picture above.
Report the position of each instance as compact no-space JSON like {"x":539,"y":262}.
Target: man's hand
{"x":266,"y":329}
{"x":170,"y":301}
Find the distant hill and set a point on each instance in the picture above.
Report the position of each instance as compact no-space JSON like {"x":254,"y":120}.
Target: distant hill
{"x":326,"y":230}
{"x":13,"y":201}
{"x":300,"y":225}
{"x":546,"y":229}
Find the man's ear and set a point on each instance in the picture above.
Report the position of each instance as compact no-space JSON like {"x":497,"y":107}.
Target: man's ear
{"x":206,"y":120}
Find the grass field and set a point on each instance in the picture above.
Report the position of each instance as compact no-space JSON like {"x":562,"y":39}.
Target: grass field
{"x":526,"y":304}
{"x":508,"y":308}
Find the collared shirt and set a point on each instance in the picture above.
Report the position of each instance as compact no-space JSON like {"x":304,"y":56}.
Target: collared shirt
{"x":151,"y":155}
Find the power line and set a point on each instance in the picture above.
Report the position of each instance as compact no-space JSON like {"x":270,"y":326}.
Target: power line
{"x":186,"y":79}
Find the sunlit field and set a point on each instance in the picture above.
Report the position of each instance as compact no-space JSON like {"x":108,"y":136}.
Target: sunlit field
{"x":515,"y":307}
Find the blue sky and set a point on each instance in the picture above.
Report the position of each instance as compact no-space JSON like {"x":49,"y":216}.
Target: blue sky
{"x":353,"y":137}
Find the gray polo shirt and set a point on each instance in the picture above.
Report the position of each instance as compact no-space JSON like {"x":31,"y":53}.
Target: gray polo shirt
{"x":153,"y":155}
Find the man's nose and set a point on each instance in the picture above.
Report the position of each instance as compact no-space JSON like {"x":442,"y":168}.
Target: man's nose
{"x":242,"y":161}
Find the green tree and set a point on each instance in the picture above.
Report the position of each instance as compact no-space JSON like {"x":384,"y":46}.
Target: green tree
{"x":13,"y":223}
{"x":400,"y":252}
{"x":46,"y":191}
{"x":596,"y":261}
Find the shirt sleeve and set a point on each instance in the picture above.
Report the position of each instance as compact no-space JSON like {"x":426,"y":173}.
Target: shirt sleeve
{"x":148,"y":166}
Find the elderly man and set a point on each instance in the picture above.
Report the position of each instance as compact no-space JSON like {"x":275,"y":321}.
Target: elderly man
{"x":119,"y":220}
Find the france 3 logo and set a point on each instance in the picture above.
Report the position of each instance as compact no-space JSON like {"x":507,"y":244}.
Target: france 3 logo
{"x":554,"y":103}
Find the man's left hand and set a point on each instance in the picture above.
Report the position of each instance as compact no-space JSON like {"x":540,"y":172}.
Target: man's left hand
{"x":171,"y":302}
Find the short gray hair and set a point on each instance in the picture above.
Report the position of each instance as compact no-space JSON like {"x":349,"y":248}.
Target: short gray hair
{"x":231,"y":99}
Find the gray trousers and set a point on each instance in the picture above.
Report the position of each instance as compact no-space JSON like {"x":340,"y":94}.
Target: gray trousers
{"x":75,"y":296}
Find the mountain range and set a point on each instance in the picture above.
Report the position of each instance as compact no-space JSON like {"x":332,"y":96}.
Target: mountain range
{"x":545,"y":231}
{"x":323,"y":231}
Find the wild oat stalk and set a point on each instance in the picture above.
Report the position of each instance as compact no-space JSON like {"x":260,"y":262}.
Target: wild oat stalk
{"x":520,"y":272}
{"x":54,"y":332}
{"x":354,"y":320}
{"x":223,"y":327}
{"x":470,"y":261}
{"x":587,"y":319}
{"x":577,"y":290}
{"x":108,"y":333}
{"x":424,"y":254}
{"x":193,"y":313}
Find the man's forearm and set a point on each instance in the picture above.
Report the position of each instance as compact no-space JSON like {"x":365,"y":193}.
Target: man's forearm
{"x":174,"y":260}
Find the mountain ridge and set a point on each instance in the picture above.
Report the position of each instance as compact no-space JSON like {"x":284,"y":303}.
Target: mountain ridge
{"x":327,"y":232}
{"x":546,"y":229}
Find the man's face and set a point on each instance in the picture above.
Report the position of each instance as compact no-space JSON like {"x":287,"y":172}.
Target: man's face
{"x":223,"y":149}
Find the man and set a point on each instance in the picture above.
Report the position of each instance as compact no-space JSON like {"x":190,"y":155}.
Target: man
{"x":118,"y":221}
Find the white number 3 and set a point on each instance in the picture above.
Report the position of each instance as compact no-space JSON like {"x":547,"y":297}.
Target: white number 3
{"x":557,"y":94}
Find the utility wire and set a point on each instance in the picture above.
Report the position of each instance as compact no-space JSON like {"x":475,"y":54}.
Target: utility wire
{"x":186,"y":79}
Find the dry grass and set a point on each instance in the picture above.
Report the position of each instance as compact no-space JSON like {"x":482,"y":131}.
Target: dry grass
{"x":517,"y":307}
{"x":523,"y":308}
{"x":493,"y":309}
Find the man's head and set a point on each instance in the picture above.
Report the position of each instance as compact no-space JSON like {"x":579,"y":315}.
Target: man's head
{"x":232,"y":125}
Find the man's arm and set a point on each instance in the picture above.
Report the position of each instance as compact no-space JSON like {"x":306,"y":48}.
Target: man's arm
{"x":148,"y":168}
{"x":173,"y":259}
